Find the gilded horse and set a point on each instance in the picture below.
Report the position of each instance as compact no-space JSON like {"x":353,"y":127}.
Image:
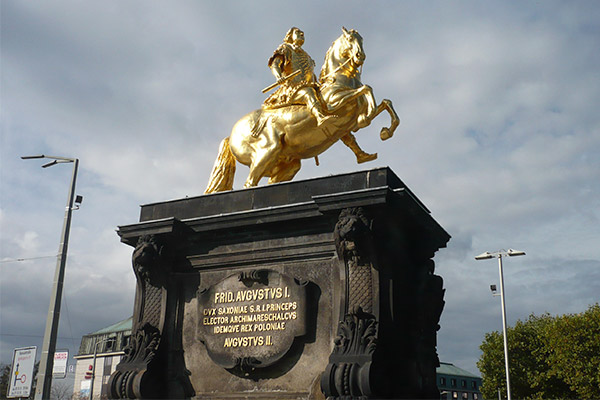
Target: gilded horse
{"x":273,"y":141}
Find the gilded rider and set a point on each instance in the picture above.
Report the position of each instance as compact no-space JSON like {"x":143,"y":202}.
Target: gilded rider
{"x":294,"y":70}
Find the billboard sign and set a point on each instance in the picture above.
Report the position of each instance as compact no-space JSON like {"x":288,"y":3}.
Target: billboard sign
{"x":59,"y":370}
{"x":21,"y":372}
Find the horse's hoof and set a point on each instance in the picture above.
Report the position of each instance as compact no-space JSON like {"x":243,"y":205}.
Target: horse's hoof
{"x":366,"y":157}
{"x":385,"y":134}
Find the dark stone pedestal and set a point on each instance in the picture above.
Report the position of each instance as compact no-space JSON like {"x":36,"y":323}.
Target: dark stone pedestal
{"x":311,"y":289}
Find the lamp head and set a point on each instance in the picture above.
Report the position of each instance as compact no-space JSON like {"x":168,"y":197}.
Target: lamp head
{"x":514,"y":253}
{"x":32,"y":157}
{"x":51,"y":163}
{"x":484,"y":256}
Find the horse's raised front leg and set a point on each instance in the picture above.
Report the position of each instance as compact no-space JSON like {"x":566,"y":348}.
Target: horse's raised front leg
{"x":387,"y":133}
{"x":373,"y":110}
{"x":364,"y":119}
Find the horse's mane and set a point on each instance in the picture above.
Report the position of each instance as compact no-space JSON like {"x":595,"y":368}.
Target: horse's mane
{"x":325,"y":69}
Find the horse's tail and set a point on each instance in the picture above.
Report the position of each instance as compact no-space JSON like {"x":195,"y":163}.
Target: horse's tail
{"x":221,"y":177}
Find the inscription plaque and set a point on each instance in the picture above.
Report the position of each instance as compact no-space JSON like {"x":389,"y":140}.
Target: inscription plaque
{"x":250,"y":319}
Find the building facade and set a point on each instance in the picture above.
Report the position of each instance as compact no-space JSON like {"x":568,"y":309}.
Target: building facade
{"x":98,"y":356}
{"x":457,"y":384}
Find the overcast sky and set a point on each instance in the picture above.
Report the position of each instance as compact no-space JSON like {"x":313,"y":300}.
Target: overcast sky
{"x":499,"y":137}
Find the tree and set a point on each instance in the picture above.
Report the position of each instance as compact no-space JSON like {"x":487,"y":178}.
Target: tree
{"x":60,"y":390}
{"x":4,"y":377}
{"x":575,"y":356}
{"x":36,"y":369}
{"x":550,"y":357}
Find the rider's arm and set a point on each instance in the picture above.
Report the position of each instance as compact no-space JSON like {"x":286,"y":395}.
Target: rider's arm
{"x":277,"y":67}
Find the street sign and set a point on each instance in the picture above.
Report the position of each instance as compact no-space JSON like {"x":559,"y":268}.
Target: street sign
{"x":59,"y":370}
{"x":21,"y":372}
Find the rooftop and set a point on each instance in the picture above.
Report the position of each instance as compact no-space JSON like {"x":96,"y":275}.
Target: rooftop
{"x":124,"y":325}
{"x":451,"y":369}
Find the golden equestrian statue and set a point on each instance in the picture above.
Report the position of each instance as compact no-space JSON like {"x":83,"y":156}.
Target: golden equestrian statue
{"x":303,"y":117}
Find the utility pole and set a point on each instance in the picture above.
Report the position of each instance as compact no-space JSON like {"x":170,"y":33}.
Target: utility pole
{"x":44,"y":378}
{"x":498,"y":255}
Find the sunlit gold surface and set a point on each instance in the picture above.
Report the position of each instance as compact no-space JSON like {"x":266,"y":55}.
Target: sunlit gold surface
{"x":303,"y":117}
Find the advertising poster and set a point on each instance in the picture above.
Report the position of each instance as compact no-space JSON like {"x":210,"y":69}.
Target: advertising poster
{"x":59,"y":370}
{"x":85,"y":389}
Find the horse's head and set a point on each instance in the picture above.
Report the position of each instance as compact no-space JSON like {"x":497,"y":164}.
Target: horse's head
{"x":352,"y":46}
{"x":344,"y":57}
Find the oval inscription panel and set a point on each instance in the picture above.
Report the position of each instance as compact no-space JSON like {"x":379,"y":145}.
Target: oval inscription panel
{"x":250,"y":319}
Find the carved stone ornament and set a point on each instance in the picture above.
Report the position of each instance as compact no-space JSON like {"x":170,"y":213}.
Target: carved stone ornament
{"x":356,"y":334}
{"x":355,"y":248}
{"x":348,"y":373}
{"x":249,"y":320}
{"x":134,"y":376}
{"x":349,"y":369}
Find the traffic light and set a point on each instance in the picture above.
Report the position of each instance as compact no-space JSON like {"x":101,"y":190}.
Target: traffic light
{"x":90,"y":372}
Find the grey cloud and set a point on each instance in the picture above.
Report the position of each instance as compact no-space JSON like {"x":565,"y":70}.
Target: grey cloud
{"x":499,"y":138}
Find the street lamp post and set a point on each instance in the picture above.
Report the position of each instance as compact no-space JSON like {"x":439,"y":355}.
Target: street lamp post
{"x":110,"y":339}
{"x":44,"y":380}
{"x":499,"y":254}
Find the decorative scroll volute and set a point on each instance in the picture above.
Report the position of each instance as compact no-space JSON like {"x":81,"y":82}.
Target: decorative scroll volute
{"x":133,"y":377}
{"x":356,"y":334}
{"x":348,"y":373}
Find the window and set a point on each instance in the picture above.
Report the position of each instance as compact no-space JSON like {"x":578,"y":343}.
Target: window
{"x":475,"y":397}
{"x":453,"y":382}
{"x":455,"y":395}
{"x":465,"y":396}
{"x":463,"y":383}
{"x":125,"y":340}
{"x":473,"y":384}
{"x":443,"y":381}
